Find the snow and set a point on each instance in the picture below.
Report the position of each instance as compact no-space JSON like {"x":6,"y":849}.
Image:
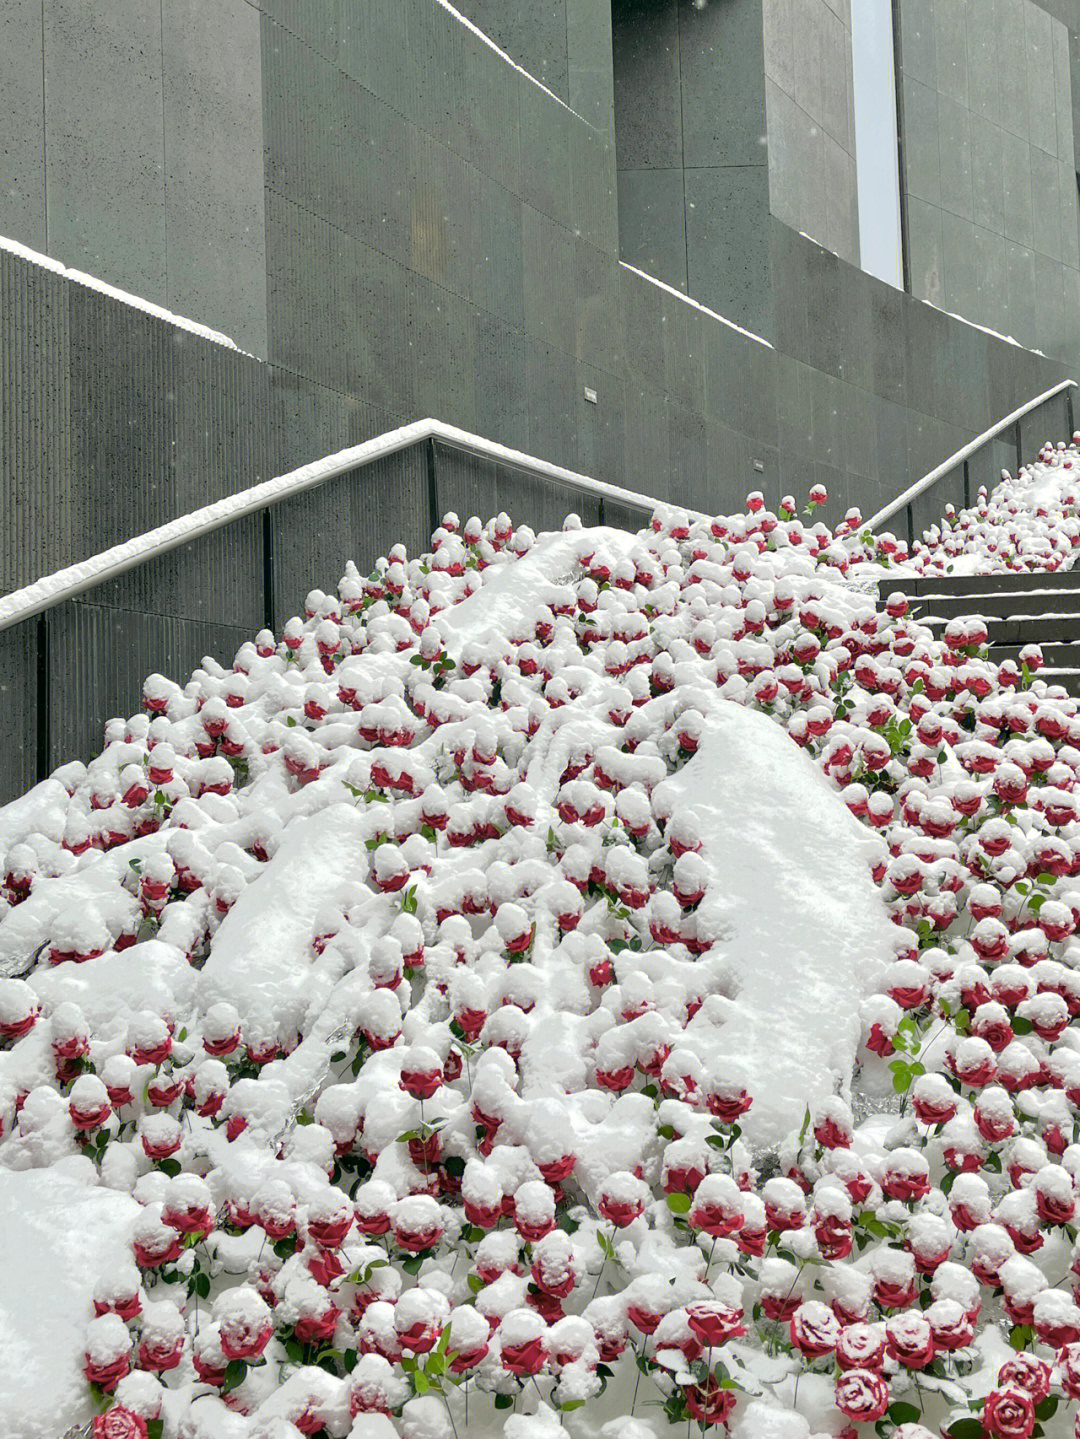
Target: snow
{"x":804,"y":930}
{"x":125,"y":297}
{"x":62,"y":1235}
{"x":695,"y":304}
{"x":261,"y":958}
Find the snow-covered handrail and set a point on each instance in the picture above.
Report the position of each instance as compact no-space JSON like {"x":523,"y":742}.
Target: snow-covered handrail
{"x":965,"y":453}
{"x":66,"y":584}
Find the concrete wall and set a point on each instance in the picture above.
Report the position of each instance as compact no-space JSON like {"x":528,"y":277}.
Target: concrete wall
{"x":693,"y":162}
{"x":131,"y":148}
{"x":987,"y":99}
{"x":810,"y":112}
{"x":441,"y":236}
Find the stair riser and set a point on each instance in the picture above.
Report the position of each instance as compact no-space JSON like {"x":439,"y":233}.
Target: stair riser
{"x":998,"y":606}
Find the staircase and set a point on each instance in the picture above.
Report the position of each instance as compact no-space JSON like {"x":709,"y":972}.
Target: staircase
{"x":1030,"y":609}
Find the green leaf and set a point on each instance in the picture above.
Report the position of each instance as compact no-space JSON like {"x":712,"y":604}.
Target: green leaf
{"x":475,"y":1283}
{"x":169,"y":1167}
{"x":235,"y":1373}
{"x":570,"y":1406}
{"x":421,"y":1383}
{"x":679,"y":1203}
{"x":1020,"y":1025}
{"x":903,"y":1413}
{"x":965,"y":1429}
{"x":504,"y":1401}
{"x":1048,"y":1408}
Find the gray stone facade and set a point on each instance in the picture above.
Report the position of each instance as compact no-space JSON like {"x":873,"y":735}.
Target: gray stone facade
{"x":395,"y":221}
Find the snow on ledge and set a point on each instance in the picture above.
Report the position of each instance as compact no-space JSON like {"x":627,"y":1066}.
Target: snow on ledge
{"x":137,"y":302}
{"x":697,"y":305}
{"x":464,"y":20}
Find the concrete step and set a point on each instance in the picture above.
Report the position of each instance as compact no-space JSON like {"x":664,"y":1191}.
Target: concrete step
{"x":954,"y":585}
{"x":1022,"y":605}
{"x":1033,"y":630}
{"x":1055,"y":656}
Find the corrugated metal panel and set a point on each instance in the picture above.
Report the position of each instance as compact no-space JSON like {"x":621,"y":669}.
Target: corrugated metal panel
{"x":18,"y":710}
{"x":35,"y":510}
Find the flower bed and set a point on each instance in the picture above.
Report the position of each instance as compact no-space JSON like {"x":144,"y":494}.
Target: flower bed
{"x":389,"y":971}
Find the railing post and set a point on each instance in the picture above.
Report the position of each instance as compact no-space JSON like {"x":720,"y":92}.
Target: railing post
{"x":43,"y":698}
{"x":1019,"y":447}
{"x":1069,"y":417}
{"x":600,"y":520}
{"x":434,"y":518}
{"x":967,"y":486}
{"x":268,"y":567}
{"x":910,"y":528}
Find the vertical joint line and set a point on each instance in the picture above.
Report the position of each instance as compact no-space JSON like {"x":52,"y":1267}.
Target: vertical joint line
{"x":164,"y":153}
{"x":432,"y":487}
{"x":42,"y":698}
{"x":901,"y":177}
{"x":268,"y":567}
{"x":44,"y":135}
{"x":910,"y":528}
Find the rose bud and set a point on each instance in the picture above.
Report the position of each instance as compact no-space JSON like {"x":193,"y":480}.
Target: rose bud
{"x":469,"y":1333}
{"x":221,"y":1030}
{"x":118,"y":1423}
{"x":88,"y":1103}
{"x":187,"y":1205}
{"x":149,"y":1038}
{"x":861,"y":1395}
{"x":108,"y":1351}
{"x":160,"y":1136}
{"x":713,"y":1322}
{"x":1025,"y":1371}
{"x":622,"y":1198}
{"x":417,"y":1223}
{"x":19,"y":1009}
{"x":1008,"y":1414}
{"x":161,"y":1340}
{"x":815,"y":1329}
{"x":522,"y":1338}
{"x":245,"y":1323}
{"x":154,"y":1242}
{"x":330,"y":1216}
{"x":534,"y":1210}
{"x":719,"y":1206}
{"x":910,"y":1339}
{"x":421,"y":1072}
{"x":207,"y":1356}
{"x":950,"y":1324}
{"x":861,"y":1346}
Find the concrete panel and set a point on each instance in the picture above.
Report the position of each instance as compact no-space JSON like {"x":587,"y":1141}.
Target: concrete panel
{"x":778,"y":44}
{"x":105,"y":141}
{"x":645,"y":37}
{"x":723,"y":92}
{"x":1016,"y":190}
{"x":1063,"y":100}
{"x":498,"y":265}
{"x":983,"y":60}
{"x":652,"y":230}
{"x":1049,"y":299}
{"x":1039,"y":60}
{"x":922,"y":157}
{"x":1012,"y":79}
{"x":1070,"y":238}
{"x":988,"y":193}
{"x":490,"y":121}
{"x":958,"y":266}
{"x":441,"y":205}
{"x":532,"y":32}
{"x":600,"y":340}
{"x":502,"y":407}
{"x":214,"y":215}
{"x":548,"y":253}
{"x":440,"y":336}
{"x":1046,"y":203}
{"x":841,"y":234}
{"x":727,"y":243}
{"x":918,"y":49}
{"x":100,"y":657}
{"x":553,"y":404}
{"x":22,"y":125}
{"x":372,"y":40}
{"x":589,"y":80}
{"x":988,"y":251}
{"x":950,"y":45}
{"x":954,"y":140}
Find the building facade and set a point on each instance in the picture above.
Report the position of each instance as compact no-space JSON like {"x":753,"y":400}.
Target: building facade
{"x":622,"y":235}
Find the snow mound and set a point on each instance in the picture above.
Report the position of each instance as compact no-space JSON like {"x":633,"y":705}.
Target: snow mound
{"x":803,"y":929}
{"x":62,"y":1235}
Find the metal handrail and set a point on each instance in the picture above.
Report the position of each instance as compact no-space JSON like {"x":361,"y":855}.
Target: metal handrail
{"x":45,"y":594}
{"x":1012,"y":421}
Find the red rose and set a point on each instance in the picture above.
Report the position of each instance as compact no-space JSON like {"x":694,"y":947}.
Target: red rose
{"x":1024,"y":1371}
{"x":861,"y":1395}
{"x":1009,"y":1414}
{"x":860,"y":1346}
{"x":525,"y":1359}
{"x":107,"y":1375}
{"x":910,"y":1340}
{"x":708,"y":1403}
{"x":119,"y":1423}
{"x":714,"y":1322}
{"x":160,"y":1354}
{"x":815,"y":1329}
